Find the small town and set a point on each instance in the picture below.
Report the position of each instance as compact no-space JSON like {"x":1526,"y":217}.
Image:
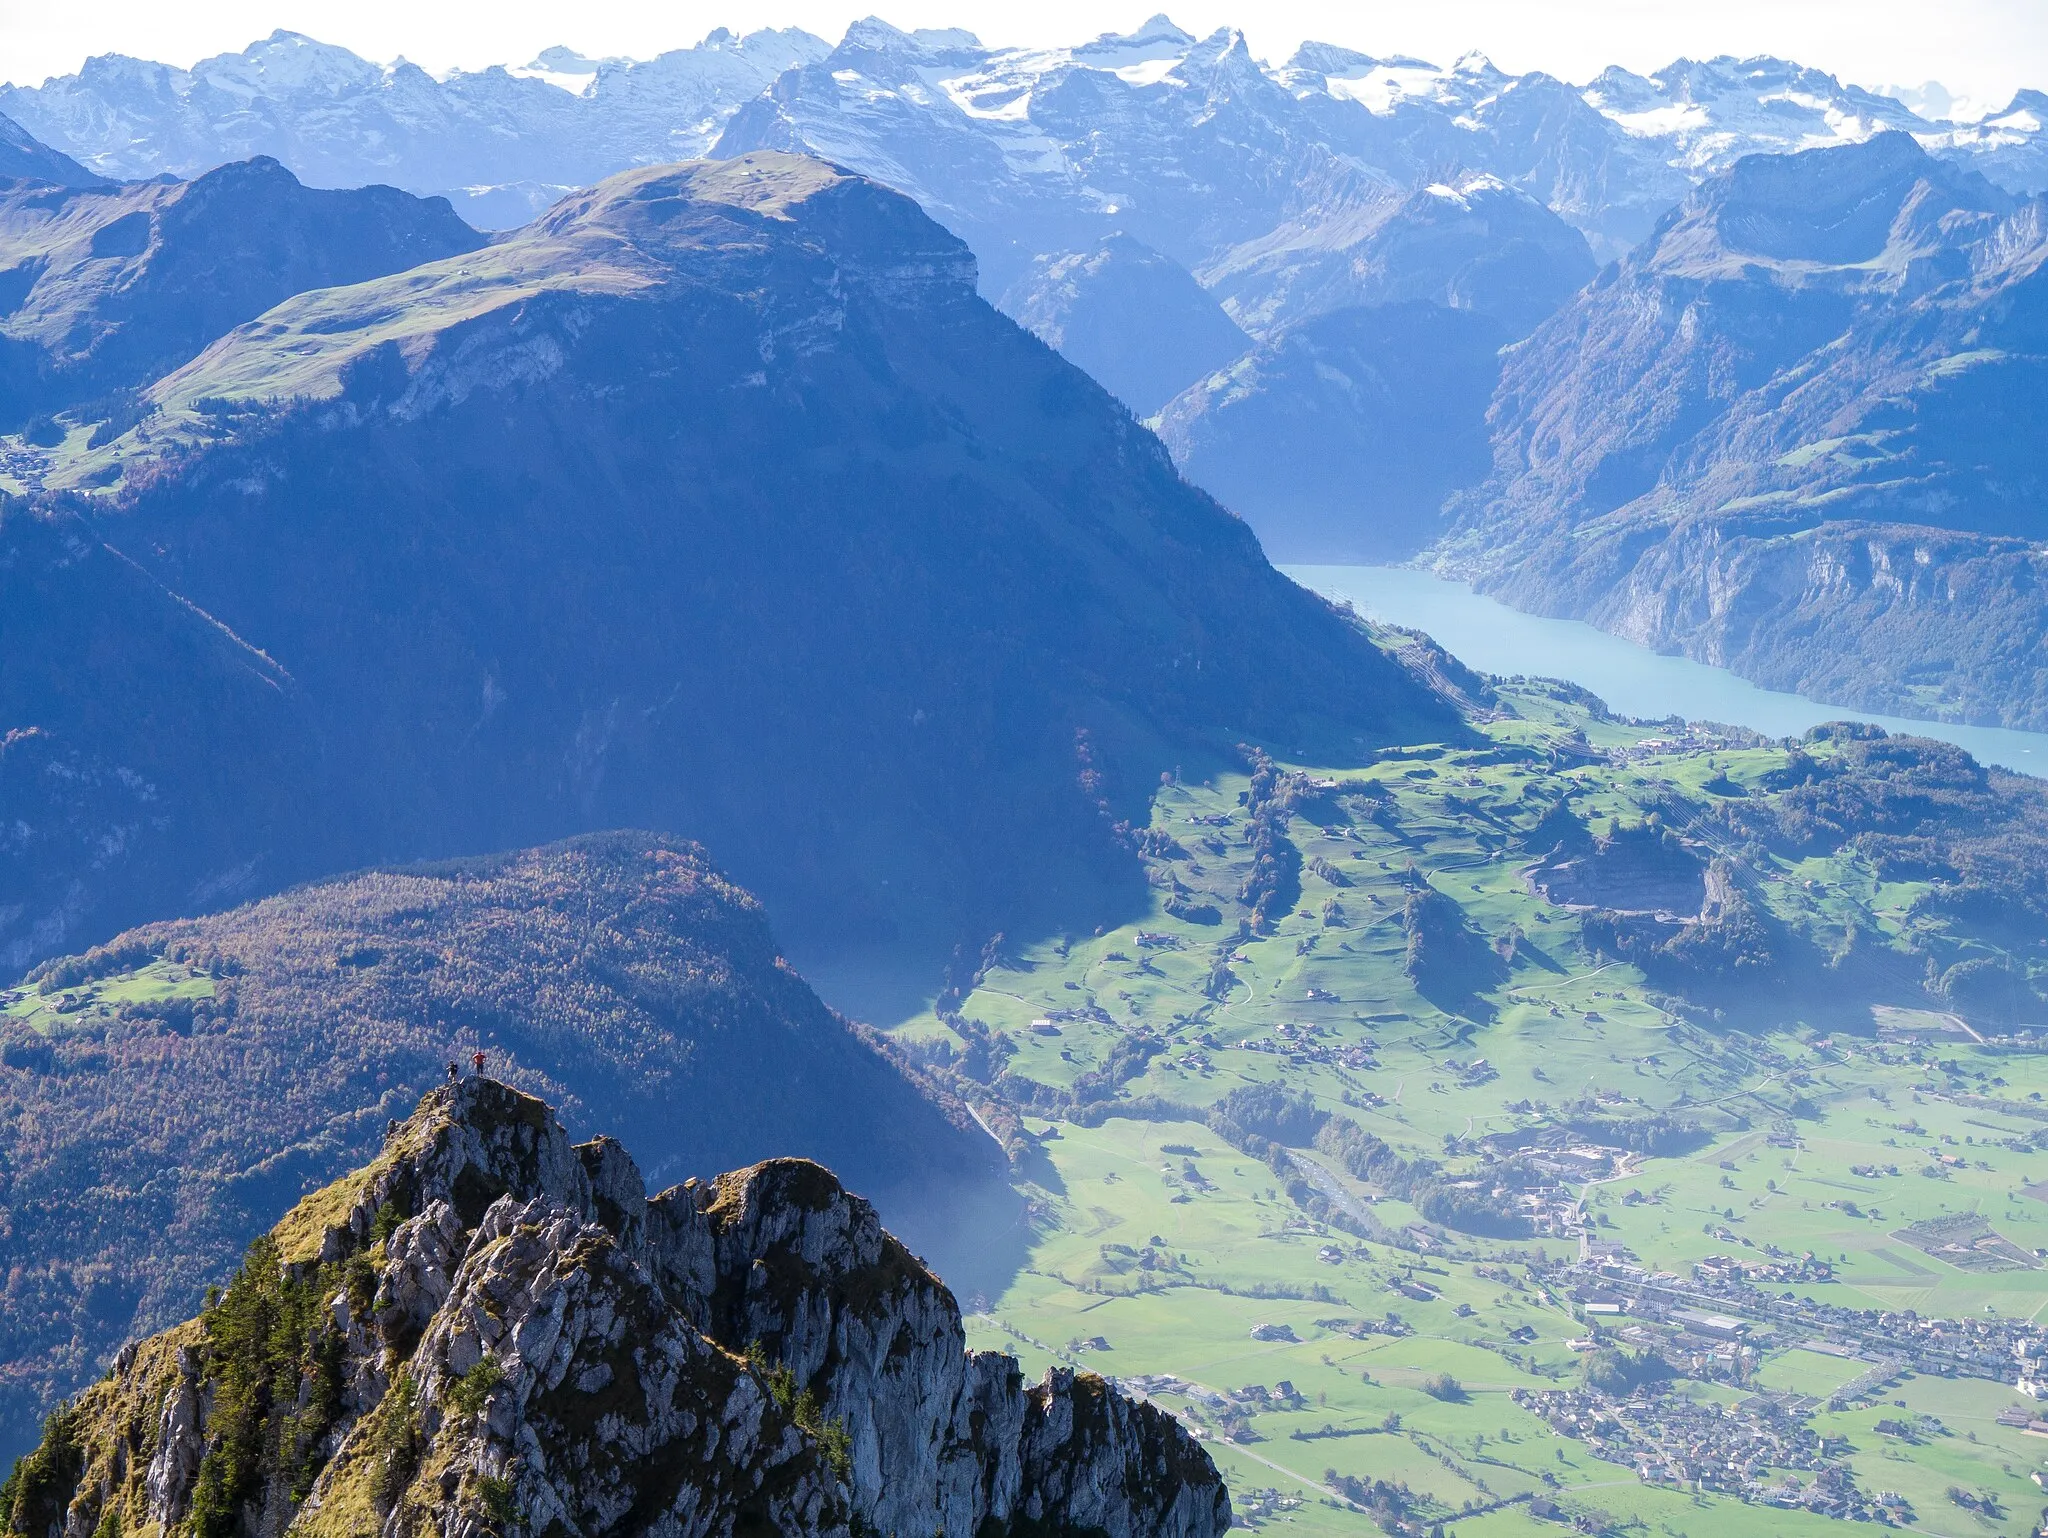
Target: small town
{"x":1756,"y":1450}
{"x":1724,"y":1293}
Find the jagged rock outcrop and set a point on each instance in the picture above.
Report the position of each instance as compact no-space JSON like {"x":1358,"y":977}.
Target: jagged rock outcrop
{"x":557,"y":1382}
{"x":620,"y":976}
{"x":490,"y":1327}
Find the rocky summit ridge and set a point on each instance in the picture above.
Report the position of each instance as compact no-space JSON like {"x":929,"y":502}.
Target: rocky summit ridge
{"x":490,"y":1327}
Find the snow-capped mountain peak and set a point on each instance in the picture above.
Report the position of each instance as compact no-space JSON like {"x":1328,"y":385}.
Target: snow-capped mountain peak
{"x":1157,"y":38}
{"x":289,"y":63}
{"x":1463,"y":190}
{"x":564,"y":67}
{"x":1124,"y":126}
{"x":872,"y":35}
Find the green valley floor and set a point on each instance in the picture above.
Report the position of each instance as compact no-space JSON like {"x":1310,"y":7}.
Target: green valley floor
{"x":1841,"y":1145}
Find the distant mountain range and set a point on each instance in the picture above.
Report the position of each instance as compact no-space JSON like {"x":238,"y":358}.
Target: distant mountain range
{"x":502,"y":144}
{"x":1188,"y":143}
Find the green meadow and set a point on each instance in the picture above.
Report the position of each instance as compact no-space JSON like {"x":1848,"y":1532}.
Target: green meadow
{"x":1166,"y":1257}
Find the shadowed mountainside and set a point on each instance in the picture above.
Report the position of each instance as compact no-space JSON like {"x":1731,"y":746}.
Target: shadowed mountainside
{"x":27,"y":158}
{"x":1339,"y":437}
{"x":162,"y":1097}
{"x":1135,"y":319}
{"x":715,"y":502}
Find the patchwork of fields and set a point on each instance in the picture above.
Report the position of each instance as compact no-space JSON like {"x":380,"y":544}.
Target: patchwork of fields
{"x":1882,"y":1155}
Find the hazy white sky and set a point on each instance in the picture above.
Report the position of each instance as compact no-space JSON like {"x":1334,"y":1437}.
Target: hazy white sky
{"x":1980,"y":48}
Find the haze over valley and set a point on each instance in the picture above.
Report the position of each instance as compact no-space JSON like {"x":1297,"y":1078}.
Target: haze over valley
{"x":841,"y":632}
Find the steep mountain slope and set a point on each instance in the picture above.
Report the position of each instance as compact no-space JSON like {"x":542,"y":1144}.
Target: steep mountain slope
{"x":715,"y":502}
{"x":1471,"y":244}
{"x":490,"y":1321}
{"x":504,"y":143}
{"x":107,"y":288}
{"x":1797,"y":433}
{"x":162,"y":1097}
{"x":151,"y":758}
{"x":24,"y":157}
{"x":1135,"y":319}
{"x":1340,"y":437}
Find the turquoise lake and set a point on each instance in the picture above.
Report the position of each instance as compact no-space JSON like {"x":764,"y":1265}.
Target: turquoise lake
{"x":1632,"y":679}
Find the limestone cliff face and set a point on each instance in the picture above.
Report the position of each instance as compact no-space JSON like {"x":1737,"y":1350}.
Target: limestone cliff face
{"x":492,"y":1329}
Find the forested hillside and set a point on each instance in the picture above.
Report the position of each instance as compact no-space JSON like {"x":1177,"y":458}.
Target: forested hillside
{"x":161,"y":1098}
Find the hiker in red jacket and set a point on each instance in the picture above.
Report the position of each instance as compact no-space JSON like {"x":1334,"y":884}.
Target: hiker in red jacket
{"x":477,"y":1058}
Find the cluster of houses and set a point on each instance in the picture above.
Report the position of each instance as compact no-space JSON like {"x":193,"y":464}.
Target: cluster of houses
{"x":1760,"y":1450}
{"x":1733,"y":1294}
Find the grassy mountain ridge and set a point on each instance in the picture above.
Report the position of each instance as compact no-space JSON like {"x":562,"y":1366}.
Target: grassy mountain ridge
{"x":717,"y":467}
{"x":161,"y":1097}
{"x":105,"y":288}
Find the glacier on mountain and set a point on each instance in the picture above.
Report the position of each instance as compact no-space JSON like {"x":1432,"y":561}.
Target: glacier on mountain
{"x":1026,"y":151}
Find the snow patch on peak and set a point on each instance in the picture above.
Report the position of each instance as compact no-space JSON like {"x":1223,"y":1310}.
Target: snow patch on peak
{"x":945,"y":37}
{"x":1313,"y":58}
{"x":1930,"y":100}
{"x":563,"y":68}
{"x":565,"y":61}
{"x":1670,"y":120}
{"x":1710,"y":112}
{"x":871,"y":34}
{"x":1383,"y":89}
{"x":1148,"y":71}
{"x":1157,"y":38}
{"x":289,"y":62}
{"x":1470,"y":186}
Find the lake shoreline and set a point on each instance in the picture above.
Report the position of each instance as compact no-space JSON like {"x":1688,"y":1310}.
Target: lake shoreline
{"x":1633,"y":680}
